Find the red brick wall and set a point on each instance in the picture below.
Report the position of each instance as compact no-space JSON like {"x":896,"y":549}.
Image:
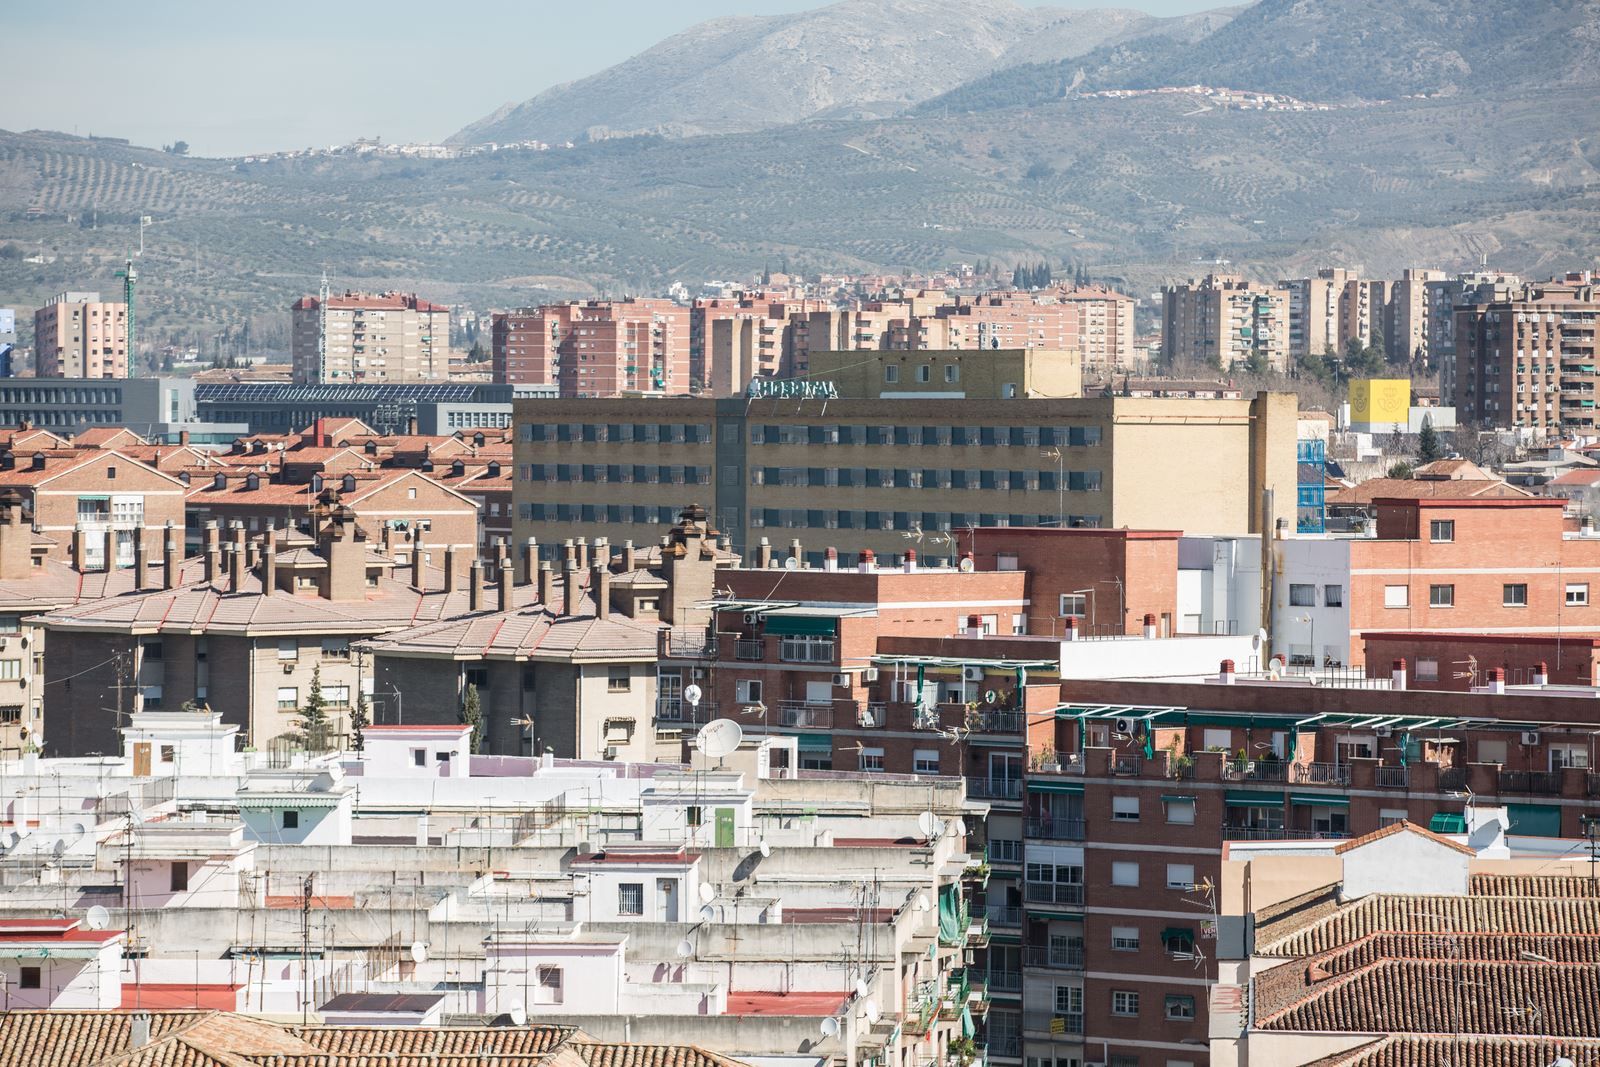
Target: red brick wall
{"x":1134,"y":571}
{"x":1570,"y":660}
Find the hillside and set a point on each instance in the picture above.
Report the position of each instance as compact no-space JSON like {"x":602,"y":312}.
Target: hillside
{"x":856,"y":59}
{"x":1331,"y":50}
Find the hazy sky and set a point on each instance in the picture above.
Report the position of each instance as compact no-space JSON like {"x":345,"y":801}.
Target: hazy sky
{"x":231,"y":77}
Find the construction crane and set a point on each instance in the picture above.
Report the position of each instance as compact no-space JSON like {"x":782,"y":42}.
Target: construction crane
{"x":129,"y":276}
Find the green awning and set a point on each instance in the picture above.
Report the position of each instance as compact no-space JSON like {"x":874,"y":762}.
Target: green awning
{"x":967,"y":1029}
{"x":1176,"y":798}
{"x":824,"y":741}
{"x":1051,"y":785}
{"x":800,"y":626}
{"x":1534,"y":820}
{"x":1177,"y":933}
{"x":1246,"y":798}
{"x":1319,"y":799}
{"x":1448,"y":822}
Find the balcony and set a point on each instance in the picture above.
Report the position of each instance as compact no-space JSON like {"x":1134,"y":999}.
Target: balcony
{"x":751,"y":650}
{"x":1005,"y":1046}
{"x":921,"y":1007}
{"x":1054,"y":957}
{"x":1003,"y":914}
{"x":1052,"y":828}
{"x":1454,"y":779}
{"x":688,"y":644}
{"x":1530,"y":781}
{"x":995,"y":721}
{"x":1277,"y":833}
{"x":1127,"y":766}
{"x":803,"y":716}
{"x":805,"y":650}
{"x":1393,"y":777}
{"x":1004,"y":981}
{"x":1255,"y":771}
{"x":1049,"y":1022}
{"x":1322,"y":773}
{"x":675,"y":711}
{"x":994,"y":788}
{"x":1591,"y":784}
{"x":1054,"y":893}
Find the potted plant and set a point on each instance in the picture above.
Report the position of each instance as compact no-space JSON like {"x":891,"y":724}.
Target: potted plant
{"x":962,"y":1051}
{"x":1046,"y":759}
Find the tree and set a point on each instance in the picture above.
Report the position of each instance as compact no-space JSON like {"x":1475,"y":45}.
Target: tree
{"x":1428,"y":441}
{"x":360,"y":719}
{"x":311,"y":724}
{"x":472,"y":715}
{"x":1399,"y":470}
{"x":176,"y":148}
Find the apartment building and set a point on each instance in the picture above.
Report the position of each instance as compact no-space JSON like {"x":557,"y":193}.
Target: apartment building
{"x":909,"y":464}
{"x":1412,"y":306}
{"x":1528,"y":360}
{"x":78,"y":335}
{"x":1316,"y":311}
{"x":596,"y":348}
{"x":97,"y":491}
{"x":1477,"y":287}
{"x":371,"y":339}
{"x":1105,"y":335}
{"x":1222,"y":320}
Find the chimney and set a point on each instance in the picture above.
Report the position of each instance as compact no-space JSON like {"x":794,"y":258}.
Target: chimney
{"x":80,"y":549}
{"x":16,"y":538}
{"x":569,"y":553}
{"x":138,"y":1029}
{"x":602,"y":592}
{"x":502,"y":557}
{"x":968,"y":563}
{"x":1541,"y":673}
{"x":569,"y":588}
{"x":111,"y":550}
{"x":911,"y":560}
{"x":974,"y":626}
{"x":583,"y":553}
{"x":503,"y":585}
{"x":169,"y":558}
{"x":237,"y":526}
{"x":140,"y":564}
{"x":235,"y":561}
{"x":1149,"y":627}
{"x":213,"y":550}
{"x":1069,"y":629}
{"x":763,"y":554}
{"x":547,"y":587}
{"x":867,"y":562}
{"x":630,"y":558}
{"x":1494,"y":681}
{"x":183,"y":438}
{"x":475,"y":582}
{"x":1225,"y":675}
{"x":1397,"y":674}
{"x":830,"y":559}
{"x":602,"y":553}
{"x":530,"y":560}
{"x":269,"y":560}
{"x":797,"y":552}
{"x":419,"y":571}
{"x":452,"y":575}
{"x":345,"y":577}
{"x":411,"y":425}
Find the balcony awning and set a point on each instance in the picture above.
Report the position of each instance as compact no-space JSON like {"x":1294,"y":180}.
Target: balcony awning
{"x":1177,"y":933}
{"x":818,"y":741}
{"x":1248,"y":798}
{"x":791,"y":625}
{"x":1177,"y":798}
{"x":1052,"y":785}
{"x":1319,"y":800}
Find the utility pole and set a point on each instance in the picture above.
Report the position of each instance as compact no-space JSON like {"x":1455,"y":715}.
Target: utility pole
{"x":305,"y":950}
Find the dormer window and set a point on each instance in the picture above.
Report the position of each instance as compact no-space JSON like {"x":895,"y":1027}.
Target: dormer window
{"x":316,"y":483}
{"x":457,"y":468}
{"x":494,"y":468}
{"x":219,"y":481}
{"x":252,"y":481}
{"x":348,"y":483}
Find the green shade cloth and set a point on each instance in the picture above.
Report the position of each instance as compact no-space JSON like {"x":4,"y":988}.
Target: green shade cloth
{"x":1045,"y":785}
{"x":1177,"y":933}
{"x":1448,"y":822}
{"x":949,"y":913}
{"x":1324,"y":799}
{"x":1252,"y":799}
{"x":824,"y":741}
{"x":800,"y":626}
{"x":967,"y":1029}
{"x":1534,"y":820}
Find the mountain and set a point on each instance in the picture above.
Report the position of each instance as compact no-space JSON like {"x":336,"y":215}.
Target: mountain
{"x":1330,"y":50}
{"x":859,"y":58}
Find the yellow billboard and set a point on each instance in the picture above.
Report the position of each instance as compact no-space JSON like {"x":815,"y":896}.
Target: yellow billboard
{"x":1380,"y":400}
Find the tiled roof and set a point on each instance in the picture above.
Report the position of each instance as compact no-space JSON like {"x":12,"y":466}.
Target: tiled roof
{"x":532,"y":1040}
{"x":1417,"y":489}
{"x":1579,"y":476}
{"x":1535,"y":885}
{"x":596,"y":1054}
{"x":528,"y":632}
{"x":1397,"y":828}
{"x":101,"y":1039}
{"x":1433,"y":914}
{"x":1466,"y":1050}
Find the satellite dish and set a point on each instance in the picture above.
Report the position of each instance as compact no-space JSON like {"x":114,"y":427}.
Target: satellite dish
{"x":719,"y":737}
{"x":929,"y":824}
{"x":922,"y":902}
{"x":419,"y":952}
{"x":958,"y":827}
{"x":691,"y":693}
{"x":990,"y":696}
{"x":870,"y":1010}
{"x":793,"y":564}
{"x":98,"y":918}
{"x":766,"y":849}
{"x":707,"y":894}
{"x":967,"y":566}
{"x":685,"y":948}
{"x":58,"y":849}
{"x":519,"y":1015}
{"x":1259,"y":640}
{"x":707,"y":913}
{"x":862,"y":989}
{"x":830,"y":1026}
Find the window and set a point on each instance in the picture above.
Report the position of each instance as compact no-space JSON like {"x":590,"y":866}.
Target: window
{"x":335,"y":648}
{"x":337,"y":696}
{"x":618,"y":679}
{"x":1069,"y":1000}
{"x":1427,"y":670}
{"x":1019,"y":623}
{"x":29,"y":977}
{"x":1124,"y":1002}
{"x":1180,"y":1007}
{"x":1180,"y":876}
{"x":291,"y":820}
{"x":1124,"y":809}
{"x":1492,"y":752}
{"x":1333,"y":596}
{"x":1577,"y":594}
{"x":891,"y":373}
{"x":871,"y":759}
{"x":630,"y":898}
{"x":179,"y":881}
{"x":748,"y":691}
{"x":1180,"y":810}
{"x":1514,"y":595}
{"x":288,"y":648}
{"x":925,"y":761}
{"x":1302,"y":596}
{"x":1125,"y":873}
{"x":1125,"y":939}
{"x":1442,"y":530}
{"x":1390,"y":816}
{"x":1396,"y":596}
{"x":288,"y":698}
{"x":169,"y":753}
{"x":10,"y":669}
{"x":952,"y":372}
{"x":419,"y":757}
{"x":1073,"y":604}
{"x":548,"y":987}
{"x":924,"y":372}
{"x":1441,"y":596}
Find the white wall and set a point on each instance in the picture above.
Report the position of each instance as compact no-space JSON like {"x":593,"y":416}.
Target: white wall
{"x":67,"y":983}
{"x":388,"y":752}
{"x":1405,"y":862}
{"x":597,"y":893}
{"x":319,"y":824}
{"x":591,"y":977}
{"x":1319,"y":562}
{"x":1219,"y":578}
{"x":1134,"y":657}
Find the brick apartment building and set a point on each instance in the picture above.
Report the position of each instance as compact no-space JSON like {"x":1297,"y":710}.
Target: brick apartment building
{"x":595,"y":348}
{"x":1461,"y":662}
{"x":1223,"y":321}
{"x":78,"y":335}
{"x":371,"y":339}
{"x":96,"y":491}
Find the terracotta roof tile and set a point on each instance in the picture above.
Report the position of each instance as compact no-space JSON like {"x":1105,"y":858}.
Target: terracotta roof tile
{"x":1396,"y":828}
{"x":1466,"y":1050}
{"x":1431,"y":914}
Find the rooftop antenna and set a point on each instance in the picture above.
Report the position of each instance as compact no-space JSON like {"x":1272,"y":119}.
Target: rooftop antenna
{"x":129,"y":275}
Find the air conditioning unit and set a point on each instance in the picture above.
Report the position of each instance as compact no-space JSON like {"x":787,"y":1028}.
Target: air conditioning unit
{"x":870,"y":674}
{"x":1530,"y":737}
{"x":972,"y":674}
{"x":867,"y":720}
{"x":842,"y":680}
{"x":1127,"y":725}
{"x":611,"y":752}
{"x":698,"y":673}
{"x":288,"y":668}
{"x":752,"y":618}
{"x":1384,"y":731}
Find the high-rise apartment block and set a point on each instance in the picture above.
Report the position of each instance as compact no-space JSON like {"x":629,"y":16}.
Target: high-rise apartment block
{"x":1224,"y":321}
{"x":595,"y":347}
{"x":1316,"y":311}
{"x":1445,"y":296}
{"x":1528,"y":359}
{"x":370,"y":339}
{"x":78,"y":335}
{"x":1410,"y":320}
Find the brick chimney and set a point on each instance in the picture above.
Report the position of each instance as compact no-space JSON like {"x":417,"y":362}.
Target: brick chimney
{"x":1149,"y":627}
{"x":763,"y":554}
{"x":911,"y":561}
{"x":601,"y":556}
{"x":141,"y":573}
{"x":419,"y":571}
{"x":830,"y":559}
{"x":569,"y":588}
{"x":80,"y":549}
{"x":530,"y":560}
{"x":1225,"y":672}
{"x":503,"y":585}
{"x":583,"y":553}
{"x":455,"y":566}
{"x":569,"y":553}
{"x":502,"y":557}
{"x":213,"y":550}
{"x":797,"y":551}
{"x":110,"y":559}
{"x":867,"y":562}
{"x":602,"y":592}
{"x":169,"y":558}
{"x":233,"y":555}
{"x":345,"y":577}
{"x":547,"y":587}
{"x":474,"y":583}
{"x":269,"y":560}
{"x":1541,"y":673}
{"x":629,"y":559}
{"x":16,"y":538}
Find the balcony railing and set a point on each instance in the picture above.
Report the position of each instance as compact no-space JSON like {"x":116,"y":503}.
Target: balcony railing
{"x":1003,"y":914}
{"x":995,"y":721}
{"x":1277,"y":833}
{"x":754,"y":650}
{"x":676,"y":710}
{"x":1393,"y":777}
{"x":1052,"y":828}
{"x":1130,"y":766}
{"x":1006,"y":1046}
{"x":796,"y":713}
{"x":1255,"y":771}
{"x":1591,"y":784}
{"x":805,"y":650}
{"x":1049,"y":1022}
{"x":1452,"y":779}
{"x":1055,"y":957}
{"x":994,"y":788}
{"x":1530,"y":781}
{"x":690,"y":644}
{"x":1053,"y":893}
{"x":1004,"y":981}
{"x":1322,"y":773}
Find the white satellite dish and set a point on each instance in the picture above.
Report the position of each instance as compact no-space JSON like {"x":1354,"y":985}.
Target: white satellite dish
{"x":707,"y":894}
{"x":58,"y":849}
{"x":830,"y":1026}
{"x":793,"y":564}
{"x":766,"y":849}
{"x":419,"y":952}
{"x":871,"y":1011}
{"x":929,"y":824}
{"x":707,"y":913}
{"x":967,"y":566}
{"x":98,"y":918}
{"x":958,"y":827}
{"x":862,"y":989}
{"x":692,"y":694}
{"x":719,"y":738}
{"x":922,"y":902}
{"x":686,"y":948}
{"x":519,"y":1015}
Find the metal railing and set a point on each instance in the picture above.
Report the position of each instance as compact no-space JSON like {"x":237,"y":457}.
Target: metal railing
{"x":1053,"y":828}
{"x":1049,"y":1022}
{"x":1277,"y":833}
{"x":1454,"y":779}
{"x":1004,"y":981}
{"x":1127,"y":766}
{"x":677,"y":710}
{"x":1055,"y":957}
{"x":995,"y":721}
{"x":1322,"y":773}
{"x":805,"y":650}
{"x":994,"y":788}
{"x":1255,"y":771}
{"x":1007,"y":1046}
{"x":753,"y":650}
{"x":1053,"y":893}
{"x":1591,"y":784}
{"x":690,"y":644}
{"x":797,"y":713}
{"x":1393,"y":777}
{"x":1530,"y":781}
{"x":1003,"y":914}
